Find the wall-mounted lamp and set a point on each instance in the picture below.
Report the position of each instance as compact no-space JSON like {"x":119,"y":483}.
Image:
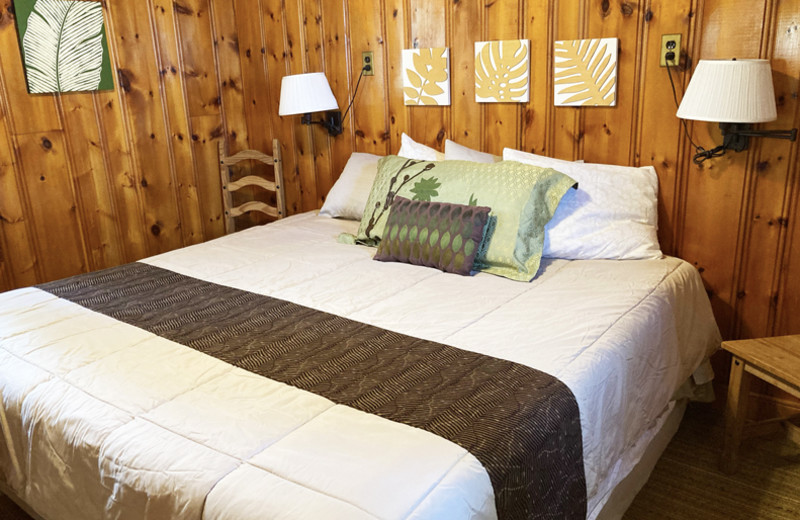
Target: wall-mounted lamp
{"x":307,"y":93}
{"x":311,"y":92}
{"x":735,"y":94}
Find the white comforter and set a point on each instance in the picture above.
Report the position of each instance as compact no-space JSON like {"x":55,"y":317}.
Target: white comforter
{"x":111,"y":421}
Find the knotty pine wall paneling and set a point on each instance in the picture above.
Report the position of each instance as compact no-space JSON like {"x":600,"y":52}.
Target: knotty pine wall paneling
{"x":130,"y":172}
{"x":91,"y":180}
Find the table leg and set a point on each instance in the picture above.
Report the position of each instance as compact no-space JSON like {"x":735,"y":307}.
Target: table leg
{"x":735,"y":414}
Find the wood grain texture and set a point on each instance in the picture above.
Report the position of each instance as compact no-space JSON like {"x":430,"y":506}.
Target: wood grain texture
{"x":173,"y":87}
{"x":136,"y":169}
{"x":429,"y":28}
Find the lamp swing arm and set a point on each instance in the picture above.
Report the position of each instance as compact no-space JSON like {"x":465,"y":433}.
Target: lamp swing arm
{"x":791,"y":135}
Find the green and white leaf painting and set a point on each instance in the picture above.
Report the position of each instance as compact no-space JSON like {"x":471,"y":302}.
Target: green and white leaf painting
{"x":63,"y":44}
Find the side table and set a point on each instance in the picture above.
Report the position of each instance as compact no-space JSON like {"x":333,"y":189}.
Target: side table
{"x":7,"y":434}
{"x":775,"y":360}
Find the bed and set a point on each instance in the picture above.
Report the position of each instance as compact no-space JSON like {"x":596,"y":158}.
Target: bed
{"x":114,"y":418}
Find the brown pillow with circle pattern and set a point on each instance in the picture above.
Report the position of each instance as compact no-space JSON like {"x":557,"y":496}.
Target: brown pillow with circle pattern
{"x":434,"y":234}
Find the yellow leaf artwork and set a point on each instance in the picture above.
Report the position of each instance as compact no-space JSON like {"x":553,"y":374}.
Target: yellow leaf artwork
{"x":502,"y":71}
{"x":426,"y":76}
{"x":586,"y":72}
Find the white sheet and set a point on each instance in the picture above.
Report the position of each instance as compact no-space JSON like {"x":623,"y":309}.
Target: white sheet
{"x":102,"y":432}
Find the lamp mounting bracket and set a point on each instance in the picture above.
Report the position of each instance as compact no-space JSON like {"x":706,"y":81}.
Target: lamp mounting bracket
{"x":332,"y":121}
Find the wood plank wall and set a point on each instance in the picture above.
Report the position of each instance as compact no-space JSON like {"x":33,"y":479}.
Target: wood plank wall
{"x":91,"y":180}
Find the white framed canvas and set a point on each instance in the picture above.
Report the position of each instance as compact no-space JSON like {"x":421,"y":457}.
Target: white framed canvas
{"x":64,"y":45}
{"x":585,"y":72}
{"x":426,"y":76}
{"x":502,"y":71}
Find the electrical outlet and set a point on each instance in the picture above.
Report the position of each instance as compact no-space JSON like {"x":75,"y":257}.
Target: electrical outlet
{"x":670,"y":43}
{"x":367,"y":63}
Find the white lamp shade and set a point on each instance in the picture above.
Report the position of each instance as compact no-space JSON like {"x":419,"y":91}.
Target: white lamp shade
{"x":730,"y":91}
{"x":305,"y":93}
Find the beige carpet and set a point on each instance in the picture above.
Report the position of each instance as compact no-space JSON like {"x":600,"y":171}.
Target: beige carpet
{"x":686,"y":484}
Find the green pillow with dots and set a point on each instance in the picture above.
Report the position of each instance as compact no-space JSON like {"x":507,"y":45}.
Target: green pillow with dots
{"x":433,"y":234}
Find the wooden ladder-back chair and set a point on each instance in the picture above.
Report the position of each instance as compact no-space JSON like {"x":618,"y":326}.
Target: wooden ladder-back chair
{"x":226,"y":161}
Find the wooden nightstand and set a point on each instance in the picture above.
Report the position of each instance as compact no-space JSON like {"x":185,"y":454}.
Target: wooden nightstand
{"x":7,"y":436}
{"x":774,"y":360}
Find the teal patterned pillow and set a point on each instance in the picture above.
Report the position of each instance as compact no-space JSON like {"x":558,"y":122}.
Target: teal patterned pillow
{"x":433,"y":234}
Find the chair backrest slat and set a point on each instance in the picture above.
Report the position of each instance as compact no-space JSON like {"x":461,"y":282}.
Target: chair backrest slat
{"x":226,"y":161}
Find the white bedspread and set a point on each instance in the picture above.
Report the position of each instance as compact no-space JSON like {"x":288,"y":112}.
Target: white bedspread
{"x":113,"y":422}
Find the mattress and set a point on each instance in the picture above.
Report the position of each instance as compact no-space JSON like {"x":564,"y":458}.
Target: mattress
{"x":113,"y":421}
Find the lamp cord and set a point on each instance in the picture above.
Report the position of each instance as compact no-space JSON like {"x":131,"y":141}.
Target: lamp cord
{"x":352,"y":99}
{"x":701,"y":154}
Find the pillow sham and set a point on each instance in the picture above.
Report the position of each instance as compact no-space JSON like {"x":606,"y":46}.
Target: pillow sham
{"x":612,"y":215}
{"x":523,"y":199}
{"x":414,"y":150}
{"x":349,"y":193}
{"x":434,"y":234}
{"x":456,"y":152}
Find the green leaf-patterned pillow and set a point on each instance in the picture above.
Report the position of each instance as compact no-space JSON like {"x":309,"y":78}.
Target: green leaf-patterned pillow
{"x":433,"y":234}
{"x":523,"y":199}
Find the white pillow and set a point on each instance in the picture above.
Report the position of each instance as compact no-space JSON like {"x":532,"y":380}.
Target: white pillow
{"x":456,"y":152}
{"x":350,"y":192}
{"x":411,"y":149}
{"x":613,"y":213}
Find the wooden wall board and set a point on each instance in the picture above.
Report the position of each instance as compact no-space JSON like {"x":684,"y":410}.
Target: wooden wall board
{"x":95,"y":201}
{"x":369,"y":113}
{"x":192,"y":18}
{"x":230,"y":74}
{"x":174,"y":100}
{"x":20,"y":258}
{"x":198,"y":57}
{"x":397,"y":22}
{"x":116,"y":147}
{"x":206,"y":133}
{"x":144,"y":110}
{"x":466,"y":24}
{"x":46,"y":180}
{"x":609,"y":132}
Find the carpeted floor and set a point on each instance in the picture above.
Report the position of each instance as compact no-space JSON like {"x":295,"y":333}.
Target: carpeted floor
{"x":686,"y":484}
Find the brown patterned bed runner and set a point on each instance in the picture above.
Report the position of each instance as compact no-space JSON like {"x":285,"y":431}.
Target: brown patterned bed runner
{"x":522,"y":424}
